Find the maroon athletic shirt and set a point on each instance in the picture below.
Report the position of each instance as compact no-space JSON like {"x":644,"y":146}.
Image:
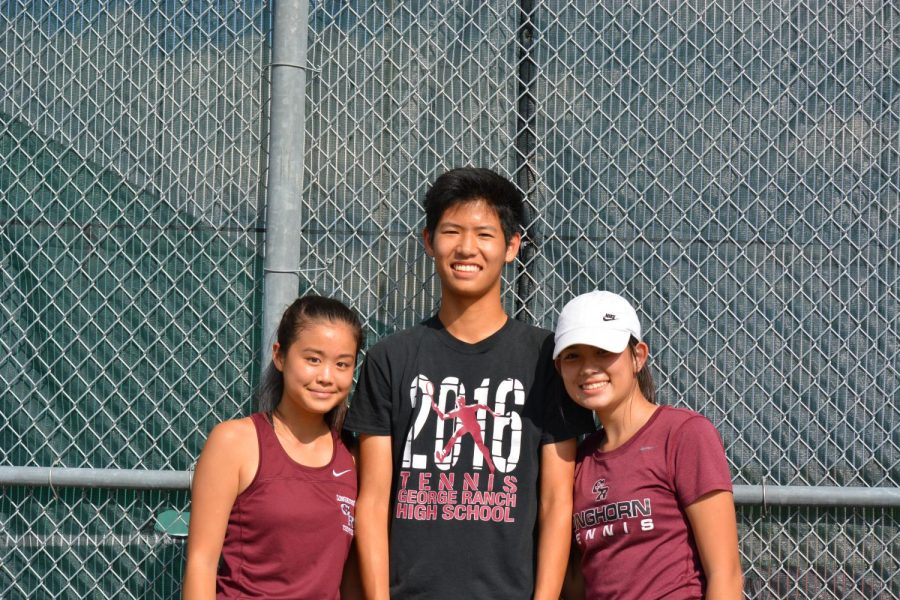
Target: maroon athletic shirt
{"x":289,"y":532}
{"x":630,"y":523}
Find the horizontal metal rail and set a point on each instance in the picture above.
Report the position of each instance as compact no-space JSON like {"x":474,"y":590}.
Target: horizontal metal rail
{"x":816,"y":495}
{"x":137,"y":479}
{"x":132,"y":479}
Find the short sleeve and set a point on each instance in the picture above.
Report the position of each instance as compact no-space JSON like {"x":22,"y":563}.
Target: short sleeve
{"x":698,"y":461}
{"x":370,"y":408}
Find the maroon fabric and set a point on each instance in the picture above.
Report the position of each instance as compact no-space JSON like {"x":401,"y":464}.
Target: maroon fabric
{"x":289,"y":532}
{"x":630,"y":523}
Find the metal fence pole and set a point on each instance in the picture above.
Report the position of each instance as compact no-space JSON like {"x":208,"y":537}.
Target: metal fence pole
{"x":526,"y":172}
{"x":285,"y":176}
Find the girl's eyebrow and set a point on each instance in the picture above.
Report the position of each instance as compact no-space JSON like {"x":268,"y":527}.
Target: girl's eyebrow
{"x":322,"y":353}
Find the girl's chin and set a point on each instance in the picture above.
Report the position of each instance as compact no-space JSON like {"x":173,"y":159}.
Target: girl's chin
{"x":590,"y":404}
{"x":597,"y":403}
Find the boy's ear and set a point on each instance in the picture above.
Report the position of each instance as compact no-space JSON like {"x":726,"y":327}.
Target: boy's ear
{"x":426,"y":239}
{"x":512,"y":248}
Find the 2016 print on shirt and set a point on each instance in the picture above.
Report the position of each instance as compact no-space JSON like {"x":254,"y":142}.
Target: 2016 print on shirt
{"x":461,"y":451}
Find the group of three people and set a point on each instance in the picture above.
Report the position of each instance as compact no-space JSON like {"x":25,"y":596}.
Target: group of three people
{"x":463,"y":436}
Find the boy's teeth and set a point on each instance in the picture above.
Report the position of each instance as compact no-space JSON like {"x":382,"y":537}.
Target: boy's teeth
{"x":465,"y":268}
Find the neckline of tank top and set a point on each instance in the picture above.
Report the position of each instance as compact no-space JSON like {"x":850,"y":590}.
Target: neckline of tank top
{"x":326,"y":466}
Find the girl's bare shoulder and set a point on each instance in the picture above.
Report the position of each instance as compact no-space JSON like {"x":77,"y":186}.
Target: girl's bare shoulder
{"x":233,"y":436}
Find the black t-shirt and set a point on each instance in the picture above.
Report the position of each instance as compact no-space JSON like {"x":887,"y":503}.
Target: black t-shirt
{"x":467,"y":423}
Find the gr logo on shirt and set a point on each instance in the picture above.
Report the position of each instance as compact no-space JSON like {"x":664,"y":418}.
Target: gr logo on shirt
{"x":347,"y":506}
{"x":600,"y":490}
{"x":482,"y":428}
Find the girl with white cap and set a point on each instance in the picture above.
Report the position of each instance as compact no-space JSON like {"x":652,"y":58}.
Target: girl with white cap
{"x":654,"y":510}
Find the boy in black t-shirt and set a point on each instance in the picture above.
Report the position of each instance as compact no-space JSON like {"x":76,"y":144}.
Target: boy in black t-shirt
{"x":467,"y":440}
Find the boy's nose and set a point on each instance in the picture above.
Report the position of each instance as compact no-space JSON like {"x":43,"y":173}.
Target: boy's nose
{"x":467,"y":243}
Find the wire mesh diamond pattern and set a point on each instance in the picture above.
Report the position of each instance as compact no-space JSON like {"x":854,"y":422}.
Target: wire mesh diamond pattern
{"x":130,"y":166}
{"x":71,"y":543}
{"x":733,"y":169}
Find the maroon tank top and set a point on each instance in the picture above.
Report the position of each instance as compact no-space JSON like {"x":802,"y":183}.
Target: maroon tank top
{"x":289,"y":532}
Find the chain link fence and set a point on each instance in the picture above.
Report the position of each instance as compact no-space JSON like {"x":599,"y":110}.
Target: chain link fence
{"x":733,"y":168}
{"x":131,"y":156}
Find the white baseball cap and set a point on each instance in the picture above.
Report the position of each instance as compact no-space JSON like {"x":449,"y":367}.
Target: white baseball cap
{"x":600,"y":319}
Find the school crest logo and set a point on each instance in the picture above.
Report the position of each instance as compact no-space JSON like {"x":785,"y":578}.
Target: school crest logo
{"x":347,"y":507}
{"x":600,"y":489}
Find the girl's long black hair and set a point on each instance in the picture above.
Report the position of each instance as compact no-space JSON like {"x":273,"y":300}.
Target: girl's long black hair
{"x":644,"y":376}
{"x":302,"y":313}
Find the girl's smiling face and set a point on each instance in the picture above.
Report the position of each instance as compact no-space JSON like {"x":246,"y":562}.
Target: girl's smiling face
{"x":318,"y":366}
{"x":599,"y":380}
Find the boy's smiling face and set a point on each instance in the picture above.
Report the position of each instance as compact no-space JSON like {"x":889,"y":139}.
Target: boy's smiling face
{"x":469,"y":250}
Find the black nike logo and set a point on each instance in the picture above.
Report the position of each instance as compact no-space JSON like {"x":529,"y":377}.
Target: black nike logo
{"x":609,"y":317}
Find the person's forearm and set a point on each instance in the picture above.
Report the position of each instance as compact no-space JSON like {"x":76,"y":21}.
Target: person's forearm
{"x":372,"y":512}
{"x":351,"y":584}
{"x":725,"y":586}
{"x":573,"y":582}
{"x":553,"y":548}
{"x":554,"y":518}
{"x":372,"y":548}
{"x":199,"y":582}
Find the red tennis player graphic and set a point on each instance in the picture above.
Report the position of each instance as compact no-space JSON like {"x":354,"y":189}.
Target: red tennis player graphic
{"x":468,"y":423}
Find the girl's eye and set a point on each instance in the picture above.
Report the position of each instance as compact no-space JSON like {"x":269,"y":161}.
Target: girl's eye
{"x":313,"y":359}
{"x":344,"y":365}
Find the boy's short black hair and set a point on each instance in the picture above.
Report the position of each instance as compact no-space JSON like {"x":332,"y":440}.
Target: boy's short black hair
{"x":467,"y":184}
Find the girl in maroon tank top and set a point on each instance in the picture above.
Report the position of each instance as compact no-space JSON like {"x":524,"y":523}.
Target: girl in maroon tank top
{"x":273,"y":495}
